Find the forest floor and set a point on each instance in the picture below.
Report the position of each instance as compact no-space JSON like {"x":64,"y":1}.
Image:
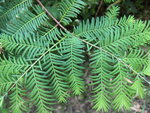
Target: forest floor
{"x":82,"y":105}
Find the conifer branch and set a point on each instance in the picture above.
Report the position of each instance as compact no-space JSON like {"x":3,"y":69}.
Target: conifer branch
{"x":120,"y":60}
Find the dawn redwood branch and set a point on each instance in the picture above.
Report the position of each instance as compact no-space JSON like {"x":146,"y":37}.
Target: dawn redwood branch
{"x":120,"y":60}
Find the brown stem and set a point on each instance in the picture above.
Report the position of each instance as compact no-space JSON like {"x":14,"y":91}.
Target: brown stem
{"x":49,"y":14}
{"x":99,"y":7}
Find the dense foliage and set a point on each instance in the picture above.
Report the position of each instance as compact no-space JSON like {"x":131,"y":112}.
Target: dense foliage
{"x":42,"y":63}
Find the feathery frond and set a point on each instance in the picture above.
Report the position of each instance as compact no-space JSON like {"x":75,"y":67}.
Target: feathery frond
{"x":101,"y":69}
{"x":113,"y":12}
{"x":27,"y":22}
{"x":40,"y":92}
{"x":12,"y":10}
{"x":121,"y":87}
{"x":10,"y":69}
{"x":137,"y":59}
{"x":53,"y":64}
{"x":17,"y":102}
{"x":93,"y":30}
{"x":138,"y":87}
{"x":73,"y":54}
{"x":69,"y":9}
{"x":28,"y":47}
